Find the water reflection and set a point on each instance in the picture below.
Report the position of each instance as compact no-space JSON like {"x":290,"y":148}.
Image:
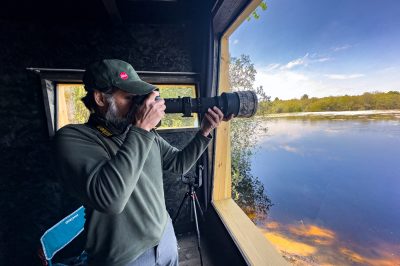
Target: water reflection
{"x":313,"y":245}
{"x":334,"y":185}
{"x":247,"y":190}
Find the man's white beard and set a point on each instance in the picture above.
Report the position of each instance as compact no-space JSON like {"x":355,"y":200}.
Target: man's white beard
{"x":113,"y":115}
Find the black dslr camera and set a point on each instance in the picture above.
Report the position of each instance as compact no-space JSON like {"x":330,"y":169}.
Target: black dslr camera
{"x":240,"y":104}
{"x":139,"y":99}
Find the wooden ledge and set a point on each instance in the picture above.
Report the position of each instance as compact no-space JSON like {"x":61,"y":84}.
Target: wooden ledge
{"x":255,"y":248}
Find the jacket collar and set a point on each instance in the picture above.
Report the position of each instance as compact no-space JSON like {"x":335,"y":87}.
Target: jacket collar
{"x":106,"y":128}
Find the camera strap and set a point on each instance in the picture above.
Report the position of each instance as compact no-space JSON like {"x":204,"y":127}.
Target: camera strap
{"x":103,"y":126}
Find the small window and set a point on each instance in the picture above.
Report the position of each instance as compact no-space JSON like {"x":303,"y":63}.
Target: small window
{"x":71,"y":110}
{"x":176,"y":120}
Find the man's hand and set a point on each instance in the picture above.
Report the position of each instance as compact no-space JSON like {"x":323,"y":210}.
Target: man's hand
{"x":150,"y":112}
{"x":212,"y":119}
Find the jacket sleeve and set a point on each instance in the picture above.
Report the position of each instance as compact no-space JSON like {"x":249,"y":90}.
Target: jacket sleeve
{"x":180,"y":161}
{"x":101,"y":180}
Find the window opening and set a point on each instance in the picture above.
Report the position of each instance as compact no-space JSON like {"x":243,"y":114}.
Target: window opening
{"x":71,"y":110}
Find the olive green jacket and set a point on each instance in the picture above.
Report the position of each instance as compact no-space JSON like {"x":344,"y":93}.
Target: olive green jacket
{"x":119,"y":180}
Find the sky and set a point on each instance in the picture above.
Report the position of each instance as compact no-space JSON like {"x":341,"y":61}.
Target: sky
{"x":323,"y":47}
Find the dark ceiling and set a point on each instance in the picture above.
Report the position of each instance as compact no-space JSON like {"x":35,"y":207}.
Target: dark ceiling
{"x":105,"y":11}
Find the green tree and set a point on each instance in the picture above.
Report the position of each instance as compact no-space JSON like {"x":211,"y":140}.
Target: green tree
{"x":255,"y":14}
{"x":247,"y":190}
{"x":242,"y":73}
{"x":77,"y":112}
{"x":262,"y":96}
{"x":366,"y":101}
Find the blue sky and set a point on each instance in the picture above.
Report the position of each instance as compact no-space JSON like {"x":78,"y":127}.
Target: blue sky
{"x":323,"y":47}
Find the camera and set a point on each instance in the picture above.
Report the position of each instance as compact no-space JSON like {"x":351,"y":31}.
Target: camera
{"x":139,"y":99}
{"x":240,"y":104}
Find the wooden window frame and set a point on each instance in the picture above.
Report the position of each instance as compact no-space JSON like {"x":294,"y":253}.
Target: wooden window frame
{"x":51,"y":77}
{"x":254,"y":247}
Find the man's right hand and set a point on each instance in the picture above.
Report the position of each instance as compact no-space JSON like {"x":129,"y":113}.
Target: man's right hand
{"x":150,"y":113}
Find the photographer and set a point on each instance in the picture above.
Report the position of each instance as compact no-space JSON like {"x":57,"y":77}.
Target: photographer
{"x":114,"y":165}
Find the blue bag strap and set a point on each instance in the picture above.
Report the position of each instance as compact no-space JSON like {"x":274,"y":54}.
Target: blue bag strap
{"x":62,"y":233}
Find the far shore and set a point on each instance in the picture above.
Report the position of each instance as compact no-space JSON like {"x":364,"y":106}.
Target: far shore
{"x":338,"y":113}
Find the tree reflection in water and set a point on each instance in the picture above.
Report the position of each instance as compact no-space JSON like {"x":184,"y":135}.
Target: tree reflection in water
{"x":247,"y":190}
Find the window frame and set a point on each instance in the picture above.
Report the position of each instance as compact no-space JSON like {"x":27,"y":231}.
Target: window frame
{"x":254,"y":247}
{"x":50,"y":77}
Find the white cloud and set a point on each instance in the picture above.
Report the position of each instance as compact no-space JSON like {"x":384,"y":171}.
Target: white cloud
{"x":323,"y":59}
{"x":343,"y":47}
{"x":297,"y":62}
{"x":271,"y":67}
{"x":287,"y":84}
{"x":236,"y":41}
{"x":344,"y":77}
{"x":279,"y":81}
{"x":305,"y":61}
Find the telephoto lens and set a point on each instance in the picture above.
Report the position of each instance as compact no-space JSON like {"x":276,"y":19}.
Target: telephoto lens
{"x":240,"y":104}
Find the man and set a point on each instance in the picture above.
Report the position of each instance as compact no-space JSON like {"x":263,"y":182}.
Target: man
{"x":113,"y":164}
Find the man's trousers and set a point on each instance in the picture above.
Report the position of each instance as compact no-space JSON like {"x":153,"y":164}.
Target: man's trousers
{"x":165,"y":254}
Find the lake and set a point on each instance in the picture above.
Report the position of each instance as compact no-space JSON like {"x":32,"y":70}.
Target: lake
{"x":335,"y":185}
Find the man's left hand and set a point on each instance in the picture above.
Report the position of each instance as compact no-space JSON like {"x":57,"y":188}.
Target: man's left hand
{"x":212,"y":119}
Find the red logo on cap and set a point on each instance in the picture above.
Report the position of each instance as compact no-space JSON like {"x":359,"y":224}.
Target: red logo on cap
{"x":123,"y":75}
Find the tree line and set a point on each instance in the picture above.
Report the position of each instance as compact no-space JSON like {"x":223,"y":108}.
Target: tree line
{"x":367,"y":101}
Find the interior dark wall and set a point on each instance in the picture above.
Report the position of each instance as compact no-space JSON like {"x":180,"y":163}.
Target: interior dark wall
{"x":31,"y":199}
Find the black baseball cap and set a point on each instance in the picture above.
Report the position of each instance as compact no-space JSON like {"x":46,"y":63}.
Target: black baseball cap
{"x":107,"y":73}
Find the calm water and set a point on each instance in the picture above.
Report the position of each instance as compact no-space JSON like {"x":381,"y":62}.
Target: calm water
{"x":335,"y":185}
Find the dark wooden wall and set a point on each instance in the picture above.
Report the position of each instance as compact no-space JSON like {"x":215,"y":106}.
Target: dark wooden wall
{"x":31,"y":199}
